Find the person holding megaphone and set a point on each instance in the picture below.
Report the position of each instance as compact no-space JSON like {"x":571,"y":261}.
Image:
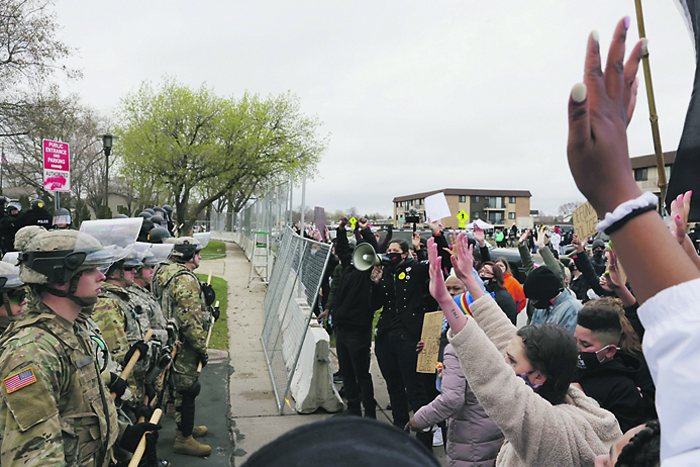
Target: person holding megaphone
{"x":352,"y":313}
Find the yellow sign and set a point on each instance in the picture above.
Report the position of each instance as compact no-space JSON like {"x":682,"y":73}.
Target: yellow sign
{"x":432,"y":327}
{"x":462,"y":217}
{"x":585,"y":219}
{"x":353,"y":221}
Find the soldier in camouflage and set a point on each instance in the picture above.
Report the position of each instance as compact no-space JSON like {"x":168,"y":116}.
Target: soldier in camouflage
{"x":123,"y":328}
{"x":55,"y":407}
{"x":12,"y":295}
{"x":182,"y":300}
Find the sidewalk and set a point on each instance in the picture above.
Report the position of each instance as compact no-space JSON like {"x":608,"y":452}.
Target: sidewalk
{"x":255,"y":419}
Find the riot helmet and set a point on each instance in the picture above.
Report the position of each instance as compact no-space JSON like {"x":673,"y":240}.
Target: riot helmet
{"x":158,"y":235}
{"x":184,"y":248}
{"x":61,"y":218}
{"x":11,"y":287}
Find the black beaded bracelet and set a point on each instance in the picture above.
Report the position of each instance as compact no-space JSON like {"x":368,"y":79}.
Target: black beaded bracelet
{"x":617,"y":225}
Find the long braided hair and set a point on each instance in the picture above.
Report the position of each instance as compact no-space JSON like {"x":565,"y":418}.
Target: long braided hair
{"x":643,"y":450}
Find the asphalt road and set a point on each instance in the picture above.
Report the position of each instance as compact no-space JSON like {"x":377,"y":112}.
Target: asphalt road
{"x":212,"y":410}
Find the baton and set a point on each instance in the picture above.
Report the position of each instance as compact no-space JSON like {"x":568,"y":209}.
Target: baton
{"x":132,"y":361}
{"x":199,"y":367}
{"x":141,"y":448}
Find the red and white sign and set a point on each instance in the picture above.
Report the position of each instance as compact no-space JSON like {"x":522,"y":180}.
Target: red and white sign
{"x":56,"y":166}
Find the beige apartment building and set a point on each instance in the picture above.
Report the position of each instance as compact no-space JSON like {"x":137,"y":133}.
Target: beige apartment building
{"x":502,"y":208}
{"x":645,"y":173}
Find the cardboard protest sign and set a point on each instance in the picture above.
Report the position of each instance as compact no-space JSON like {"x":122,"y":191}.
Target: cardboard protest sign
{"x":432,"y":327}
{"x":585,"y":219}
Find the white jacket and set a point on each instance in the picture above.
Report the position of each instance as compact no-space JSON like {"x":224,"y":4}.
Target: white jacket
{"x":672,"y":349}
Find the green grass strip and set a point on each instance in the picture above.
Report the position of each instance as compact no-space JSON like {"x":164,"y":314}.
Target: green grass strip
{"x":219,"y":335}
{"x":214,"y":250}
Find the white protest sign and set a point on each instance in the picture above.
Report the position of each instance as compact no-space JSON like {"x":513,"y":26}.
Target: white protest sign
{"x":436,"y":207}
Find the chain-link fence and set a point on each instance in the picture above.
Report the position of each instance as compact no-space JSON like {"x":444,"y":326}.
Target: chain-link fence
{"x":287,"y":308}
{"x":267,"y":215}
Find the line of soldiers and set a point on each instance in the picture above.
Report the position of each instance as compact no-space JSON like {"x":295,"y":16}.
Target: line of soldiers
{"x":78,"y":310}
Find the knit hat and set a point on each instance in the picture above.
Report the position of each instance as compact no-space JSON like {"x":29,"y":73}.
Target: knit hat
{"x":541,"y":284}
{"x":598,"y":243}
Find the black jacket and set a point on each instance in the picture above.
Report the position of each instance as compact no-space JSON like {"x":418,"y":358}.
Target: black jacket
{"x":352,"y":299}
{"x":36,"y":216}
{"x":403,"y":292}
{"x":613,"y":386}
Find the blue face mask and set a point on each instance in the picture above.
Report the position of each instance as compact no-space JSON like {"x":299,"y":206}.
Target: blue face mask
{"x":525,"y":378}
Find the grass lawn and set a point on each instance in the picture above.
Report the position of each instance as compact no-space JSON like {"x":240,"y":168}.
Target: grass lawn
{"x":219,"y":335}
{"x":214,"y":250}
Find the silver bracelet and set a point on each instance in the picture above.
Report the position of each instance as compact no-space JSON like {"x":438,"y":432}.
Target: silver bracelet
{"x":647,"y":199}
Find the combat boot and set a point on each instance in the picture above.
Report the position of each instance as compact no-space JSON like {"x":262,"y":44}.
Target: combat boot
{"x":199,"y":431}
{"x":189,"y":446}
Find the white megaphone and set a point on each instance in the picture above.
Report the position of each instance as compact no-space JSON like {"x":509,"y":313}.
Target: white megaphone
{"x":365,"y":257}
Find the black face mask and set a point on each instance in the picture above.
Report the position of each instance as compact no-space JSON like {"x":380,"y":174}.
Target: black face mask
{"x":488,"y":284}
{"x":542,"y":304}
{"x":394,"y":258}
{"x":589,"y":360}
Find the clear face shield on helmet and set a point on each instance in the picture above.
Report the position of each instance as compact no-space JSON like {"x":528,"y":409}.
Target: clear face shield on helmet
{"x":117,"y":237}
{"x":157,"y":253}
{"x":203,"y":239}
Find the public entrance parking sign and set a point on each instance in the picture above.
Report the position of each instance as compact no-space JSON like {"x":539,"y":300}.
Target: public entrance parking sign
{"x":56,"y":166}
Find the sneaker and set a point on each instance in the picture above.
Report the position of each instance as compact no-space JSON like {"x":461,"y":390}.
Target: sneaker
{"x":437,"y":438}
{"x":337,"y":378}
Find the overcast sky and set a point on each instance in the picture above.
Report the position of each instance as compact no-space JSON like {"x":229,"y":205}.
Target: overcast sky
{"x":416,"y":95}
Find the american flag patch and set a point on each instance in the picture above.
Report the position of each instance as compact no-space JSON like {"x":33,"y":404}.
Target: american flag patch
{"x":20,"y":380}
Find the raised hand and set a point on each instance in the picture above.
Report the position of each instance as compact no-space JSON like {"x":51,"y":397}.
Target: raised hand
{"x":437,"y":280}
{"x":540,"y":243}
{"x":598,"y":117}
{"x":577,"y":243}
{"x":479,"y":235}
{"x":680,"y":208}
{"x":435,"y":226}
{"x":524,"y":237}
{"x":463,"y":259}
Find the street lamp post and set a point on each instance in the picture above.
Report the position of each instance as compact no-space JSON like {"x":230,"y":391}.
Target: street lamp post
{"x":107,"y":147}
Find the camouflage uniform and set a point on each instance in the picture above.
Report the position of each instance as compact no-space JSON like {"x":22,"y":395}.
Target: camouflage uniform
{"x":55,"y":409}
{"x":182,"y":301}
{"x":122,"y":327}
{"x":145,"y":303}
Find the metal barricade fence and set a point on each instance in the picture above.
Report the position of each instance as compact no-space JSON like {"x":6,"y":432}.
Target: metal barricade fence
{"x":287,"y":307}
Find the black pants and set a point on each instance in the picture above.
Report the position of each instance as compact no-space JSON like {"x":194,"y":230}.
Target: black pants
{"x":397,"y":358}
{"x":354,"y":356}
{"x":187,"y":408}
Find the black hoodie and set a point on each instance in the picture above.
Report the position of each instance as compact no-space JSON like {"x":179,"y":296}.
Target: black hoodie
{"x":612,"y":385}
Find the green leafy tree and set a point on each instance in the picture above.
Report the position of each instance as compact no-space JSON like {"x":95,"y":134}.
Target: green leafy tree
{"x":198,"y":148}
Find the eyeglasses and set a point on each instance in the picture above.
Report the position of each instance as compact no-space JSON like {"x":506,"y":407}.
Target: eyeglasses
{"x":16,"y":296}
{"x":130,"y":268}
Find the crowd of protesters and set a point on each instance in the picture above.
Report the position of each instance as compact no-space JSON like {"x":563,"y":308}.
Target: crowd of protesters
{"x":604,"y":371}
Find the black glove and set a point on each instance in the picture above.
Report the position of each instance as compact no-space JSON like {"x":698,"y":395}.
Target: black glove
{"x":150,"y":457}
{"x":142,"y":410}
{"x":141,"y":346}
{"x":204,"y":358}
{"x":117,"y":385}
{"x":132,"y":435}
{"x":215,"y":312}
{"x":150,"y":392}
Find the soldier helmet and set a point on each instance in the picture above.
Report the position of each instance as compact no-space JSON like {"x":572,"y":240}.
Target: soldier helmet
{"x":145,"y":214}
{"x":10,"y":286}
{"x":168,"y":208}
{"x":61,"y":217}
{"x":160,"y":211}
{"x":36,"y":204}
{"x":184,"y":248}
{"x":60,"y":256}
{"x":120,"y":216}
{"x":150,"y":211}
{"x":158,"y":221}
{"x":14,"y":206}
{"x":25,"y":234}
{"x":132,"y":260}
{"x":158,"y":235}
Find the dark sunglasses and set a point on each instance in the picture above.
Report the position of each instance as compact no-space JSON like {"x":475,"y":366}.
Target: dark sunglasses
{"x":130,"y":268}
{"x":16,"y":296}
